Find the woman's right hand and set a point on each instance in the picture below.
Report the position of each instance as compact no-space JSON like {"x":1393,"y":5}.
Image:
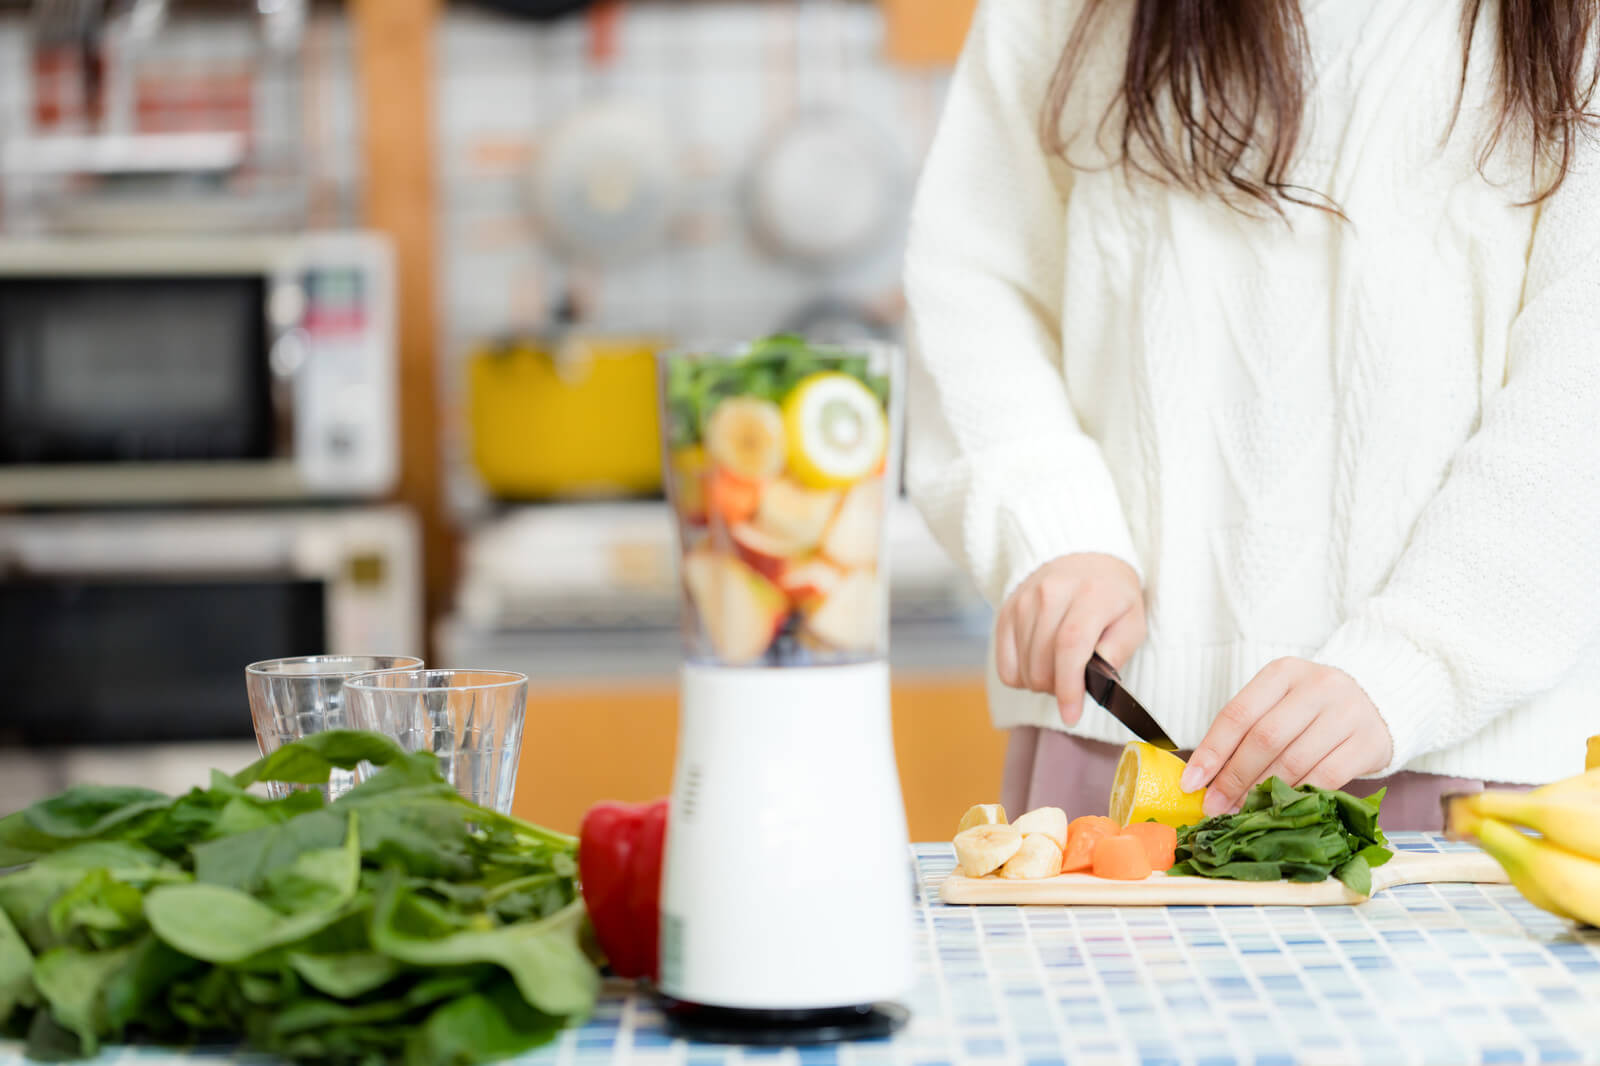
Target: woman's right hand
{"x":1060,"y":615}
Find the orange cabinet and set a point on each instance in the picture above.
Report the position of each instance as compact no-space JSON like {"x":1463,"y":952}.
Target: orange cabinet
{"x":588,"y":743}
{"x":924,"y":33}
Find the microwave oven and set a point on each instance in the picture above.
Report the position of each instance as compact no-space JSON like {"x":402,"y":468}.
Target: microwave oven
{"x":134,"y":627}
{"x":232,"y":368}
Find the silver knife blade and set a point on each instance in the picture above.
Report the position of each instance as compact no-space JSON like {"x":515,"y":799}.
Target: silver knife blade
{"x":1106,"y":687}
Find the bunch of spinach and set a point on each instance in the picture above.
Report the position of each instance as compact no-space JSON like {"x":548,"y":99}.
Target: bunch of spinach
{"x":1285,"y":833}
{"x":400,"y":922}
{"x":768,"y":370}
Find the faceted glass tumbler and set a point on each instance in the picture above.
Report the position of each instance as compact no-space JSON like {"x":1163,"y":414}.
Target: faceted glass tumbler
{"x":470,"y":719}
{"x":293,"y":698}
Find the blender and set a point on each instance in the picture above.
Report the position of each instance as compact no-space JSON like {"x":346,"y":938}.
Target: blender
{"x":787,"y":891}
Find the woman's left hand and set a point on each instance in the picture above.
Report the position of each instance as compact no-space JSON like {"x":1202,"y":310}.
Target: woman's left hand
{"x":1297,"y":720}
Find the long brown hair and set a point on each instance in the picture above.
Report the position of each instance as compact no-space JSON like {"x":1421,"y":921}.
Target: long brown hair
{"x":1231,"y":75}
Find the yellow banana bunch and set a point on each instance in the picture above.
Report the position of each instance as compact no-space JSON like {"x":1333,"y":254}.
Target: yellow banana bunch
{"x":1552,"y":878}
{"x":1558,"y":870}
{"x":1584,"y":784}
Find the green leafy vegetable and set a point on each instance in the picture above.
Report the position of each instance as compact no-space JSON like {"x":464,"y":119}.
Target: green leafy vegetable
{"x":100,"y":910}
{"x":311,"y":760}
{"x":399,"y":923}
{"x":489,"y":1025}
{"x":349,"y":975}
{"x":1284,"y":833}
{"x":16,"y":971}
{"x":71,"y":981}
{"x":768,"y":370}
{"x":543,"y":957}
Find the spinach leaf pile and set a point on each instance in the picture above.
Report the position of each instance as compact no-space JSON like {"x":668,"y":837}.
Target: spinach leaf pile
{"x":769,"y":370}
{"x":400,"y":922}
{"x":1293,"y":834}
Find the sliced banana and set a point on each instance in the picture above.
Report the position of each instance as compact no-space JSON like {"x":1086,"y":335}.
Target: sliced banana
{"x":1046,"y":821}
{"x":744,"y":436}
{"x":1038,"y":857}
{"x":983,"y":849}
{"x":982,"y":814}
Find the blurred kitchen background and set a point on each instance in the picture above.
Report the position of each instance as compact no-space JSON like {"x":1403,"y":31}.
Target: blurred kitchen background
{"x":329,"y":327}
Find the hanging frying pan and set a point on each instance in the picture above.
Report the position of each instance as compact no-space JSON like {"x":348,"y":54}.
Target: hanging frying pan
{"x":604,"y":183}
{"x":826,"y":188}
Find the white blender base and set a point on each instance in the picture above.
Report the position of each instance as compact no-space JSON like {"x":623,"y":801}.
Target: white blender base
{"x":788,"y":882}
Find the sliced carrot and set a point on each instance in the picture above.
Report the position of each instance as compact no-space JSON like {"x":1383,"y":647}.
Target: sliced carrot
{"x":1081,"y":836}
{"x":1121,"y":858}
{"x":1160,"y":842}
{"x":731,"y":497}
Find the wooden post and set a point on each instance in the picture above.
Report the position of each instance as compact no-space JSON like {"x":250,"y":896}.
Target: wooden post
{"x":926,"y":33}
{"x":394,"y":62}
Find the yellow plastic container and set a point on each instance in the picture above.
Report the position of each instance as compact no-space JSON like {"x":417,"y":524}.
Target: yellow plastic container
{"x":576,"y":420}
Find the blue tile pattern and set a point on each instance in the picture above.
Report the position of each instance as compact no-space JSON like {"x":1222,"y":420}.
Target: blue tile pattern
{"x":1454,"y":975}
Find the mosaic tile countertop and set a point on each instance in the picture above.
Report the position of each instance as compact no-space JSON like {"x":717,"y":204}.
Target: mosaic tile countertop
{"x":1426,"y":974}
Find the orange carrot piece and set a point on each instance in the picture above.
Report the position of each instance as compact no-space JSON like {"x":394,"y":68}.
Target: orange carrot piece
{"x":1121,"y":858}
{"x":731,"y":497}
{"x":1081,"y":836}
{"x":1160,"y":842}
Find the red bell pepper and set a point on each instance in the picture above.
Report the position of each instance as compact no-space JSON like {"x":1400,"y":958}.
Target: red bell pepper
{"x":619,"y":865}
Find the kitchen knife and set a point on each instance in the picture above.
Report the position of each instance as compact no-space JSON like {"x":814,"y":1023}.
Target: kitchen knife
{"x":1106,"y":688}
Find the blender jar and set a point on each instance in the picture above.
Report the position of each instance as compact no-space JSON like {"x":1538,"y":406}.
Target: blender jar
{"x":782,"y":457}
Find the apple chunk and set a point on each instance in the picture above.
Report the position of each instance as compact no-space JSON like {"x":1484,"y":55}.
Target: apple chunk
{"x":739,"y":609}
{"x":850,"y":618}
{"x":809,"y":581}
{"x":852,"y":539}
{"x":769,"y":554}
{"x":796,"y":514}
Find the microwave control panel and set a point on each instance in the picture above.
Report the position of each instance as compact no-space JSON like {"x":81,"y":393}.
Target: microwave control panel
{"x":336,"y":351}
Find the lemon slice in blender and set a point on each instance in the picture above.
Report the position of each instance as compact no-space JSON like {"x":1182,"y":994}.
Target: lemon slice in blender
{"x":836,"y":430}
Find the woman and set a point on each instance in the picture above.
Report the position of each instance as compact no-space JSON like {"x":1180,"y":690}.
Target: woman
{"x":1257,"y":346}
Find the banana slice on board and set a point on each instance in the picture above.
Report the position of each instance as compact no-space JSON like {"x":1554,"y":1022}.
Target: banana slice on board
{"x":983,"y":849}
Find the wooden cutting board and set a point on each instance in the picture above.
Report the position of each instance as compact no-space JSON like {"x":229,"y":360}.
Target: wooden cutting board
{"x":1160,"y":890}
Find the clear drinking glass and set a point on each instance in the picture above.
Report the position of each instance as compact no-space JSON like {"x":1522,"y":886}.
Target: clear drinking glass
{"x":293,"y":698}
{"x":470,"y":719}
{"x":782,"y":457}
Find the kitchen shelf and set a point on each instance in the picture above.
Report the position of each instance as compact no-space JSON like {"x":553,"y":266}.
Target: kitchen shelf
{"x":149,"y":153}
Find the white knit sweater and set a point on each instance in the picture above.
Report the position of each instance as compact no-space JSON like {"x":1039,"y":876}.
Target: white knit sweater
{"x":1375,"y":444}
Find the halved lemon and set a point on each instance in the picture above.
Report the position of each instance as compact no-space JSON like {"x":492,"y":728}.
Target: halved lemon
{"x":836,"y":430}
{"x":1146,"y":787}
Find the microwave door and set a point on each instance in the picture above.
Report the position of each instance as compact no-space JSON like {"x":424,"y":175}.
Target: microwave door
{"x":97,"y":369}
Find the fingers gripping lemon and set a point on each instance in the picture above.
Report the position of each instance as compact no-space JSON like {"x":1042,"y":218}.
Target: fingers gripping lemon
{"x":836,"y":430}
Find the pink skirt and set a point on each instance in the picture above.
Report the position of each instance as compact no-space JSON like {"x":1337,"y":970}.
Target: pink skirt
{"x":1048,"y":768}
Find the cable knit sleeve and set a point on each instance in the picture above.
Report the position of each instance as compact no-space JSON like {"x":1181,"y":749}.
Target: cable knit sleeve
{"x":997,"y":461}
{"x":1498,"y":590}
